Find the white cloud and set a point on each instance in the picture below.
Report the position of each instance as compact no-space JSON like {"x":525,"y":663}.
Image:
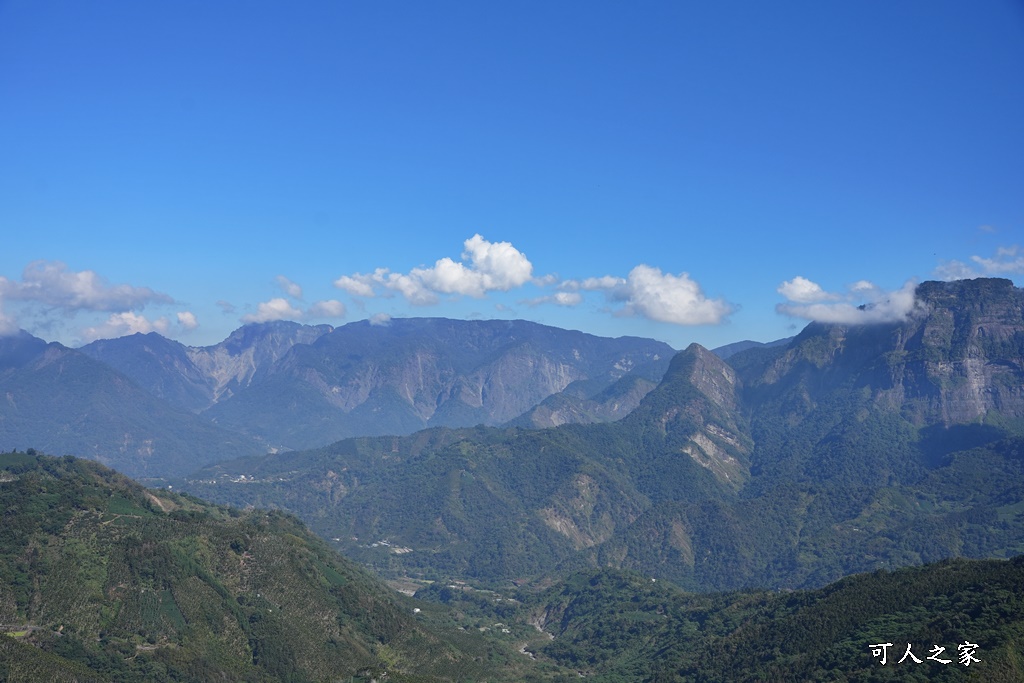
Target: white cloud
{"x":275,"y":309}
{"x":331,"y":308}
{"x":863,"y":303}
{"x":671,"y":298}
{"x":1007,"y":261}
{"x":567,"y":298}
{"x":802,"y":290}
{"x":380,"y":319}
{"x":51,"y":283}
{"x":121,"y":324}
{"x":359,"y":285}
{"x":288,"y":287}
{"x":545,"y":280}
{"x":485,"y":266}
{"x":558,"y":298}
{"x":279,"y":308}
{"x":954,"y":270}
{"x":187,"y":320}
{"x":648,"y":292}
{"x":606,"y":282}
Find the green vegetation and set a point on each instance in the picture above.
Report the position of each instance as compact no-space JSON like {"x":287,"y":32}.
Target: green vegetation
{"x":617,"y":626}
{"x":99,"y":575}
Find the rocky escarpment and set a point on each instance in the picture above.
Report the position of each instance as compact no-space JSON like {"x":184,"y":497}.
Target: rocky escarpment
{"x":365,"y":379}
{"x":958,"y":357}
{"x":238,"y":360}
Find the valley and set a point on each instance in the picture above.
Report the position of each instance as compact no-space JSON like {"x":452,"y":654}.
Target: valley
{"x":726,"y":503}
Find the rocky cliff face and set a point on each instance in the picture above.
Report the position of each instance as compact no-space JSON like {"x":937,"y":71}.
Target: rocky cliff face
{"x":237,"y":361}
{"x":697,"y":409}
{"x":959,"y":357}
{"x":969,"y":348}
{"x":195,"y":378}
{"x":364,"y":379}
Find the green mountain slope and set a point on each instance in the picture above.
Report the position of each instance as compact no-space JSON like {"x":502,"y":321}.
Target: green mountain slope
{"x":849,"y":449}
{"x":138,"y":585}
{"x":616,"y":626}
{"x":497,"y":504}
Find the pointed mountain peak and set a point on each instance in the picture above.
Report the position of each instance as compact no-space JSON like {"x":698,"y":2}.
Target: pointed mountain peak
{"x":706,"y":372}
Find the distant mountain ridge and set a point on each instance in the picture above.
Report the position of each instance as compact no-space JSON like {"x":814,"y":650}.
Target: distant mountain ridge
{"x":60,"y":400}
{"x":292,"y":386}
{"x":195,"y":378}
{"x":848,"y":449}
{"x":152,"y":407}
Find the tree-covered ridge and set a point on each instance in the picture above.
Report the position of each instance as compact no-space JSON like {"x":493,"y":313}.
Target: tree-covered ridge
{"x":618,"y":626}
{"x":849,"y":449}
{"x":138,"y":585}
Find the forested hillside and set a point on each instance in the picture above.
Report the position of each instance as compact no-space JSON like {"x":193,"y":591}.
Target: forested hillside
{"x":99,"y":574}
{"x":849,"y":449}
{"x":621,"y":627}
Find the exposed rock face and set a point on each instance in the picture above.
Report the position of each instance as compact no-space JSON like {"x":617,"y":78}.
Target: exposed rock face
{"x":363,"y":379}
{"x":958,"y":357}
{"x":970,"y":347}
{"x":295,"y":386}
{"x":195,"y":378}
{"x":697,"y":407}
{"x":237,"y":361}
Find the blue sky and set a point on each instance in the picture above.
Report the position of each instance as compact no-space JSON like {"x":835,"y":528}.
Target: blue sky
{"x":688,"y":171}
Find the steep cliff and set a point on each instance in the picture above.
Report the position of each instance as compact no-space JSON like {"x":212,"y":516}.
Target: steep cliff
{"x":957,"y":358}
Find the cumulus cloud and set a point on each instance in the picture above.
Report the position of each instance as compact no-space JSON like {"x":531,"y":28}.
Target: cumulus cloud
{"x":670,"y":298}
{"x":1006,"y":261}
{"x":498,"y":266}
{"x":288,"y":287}
{"x":279,"y":308}
{"x":380,"y":319}
{"x":802,"y":290}
{"x":360,"y":285}
{"x":330,"y":308}
{"x":650,"y":293}
{"x":187,"y":320}
{"x":51,"y":283}
{"x":275,"y":309}
{"x":121,"y":324}
{"x":484,"y":267}
{"x":862,"y":303}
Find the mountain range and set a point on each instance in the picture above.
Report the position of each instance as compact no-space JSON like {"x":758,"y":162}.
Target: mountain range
{"x":850,"y":448}
{"x":152,"y":407}
{"x":558,"y":542}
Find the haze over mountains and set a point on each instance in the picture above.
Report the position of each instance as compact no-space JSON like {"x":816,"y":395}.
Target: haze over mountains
{"x":150,"y":406}
{"x":848,"y":449}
